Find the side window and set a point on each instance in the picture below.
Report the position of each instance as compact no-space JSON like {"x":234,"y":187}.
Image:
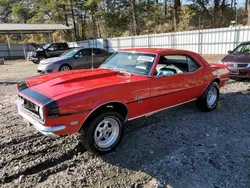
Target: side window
{"x":97,"y":51}
{"x":62,"y":46}
{"x":82,"y":53}
{"x":192,"y":65}
{"x":53,"y":47}
{"x":175,"y":64}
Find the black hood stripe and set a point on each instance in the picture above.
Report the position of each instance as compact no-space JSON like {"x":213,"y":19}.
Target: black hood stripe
{"x":22,"y":85}
{"x":50,"y":104}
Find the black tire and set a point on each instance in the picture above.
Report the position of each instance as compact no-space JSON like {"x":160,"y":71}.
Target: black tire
{"x":87,"y":133}
{"x":64,"y":67}
{"x":202,"y":101}
{"x":35,"y":62}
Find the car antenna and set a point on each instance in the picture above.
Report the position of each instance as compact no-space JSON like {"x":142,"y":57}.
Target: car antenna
{"x":92,"y":55}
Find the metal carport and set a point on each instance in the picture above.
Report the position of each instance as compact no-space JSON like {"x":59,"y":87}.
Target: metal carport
{"x":7,"y":29}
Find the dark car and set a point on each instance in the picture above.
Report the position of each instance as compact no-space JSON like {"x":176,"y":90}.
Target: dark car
{"x":238,"y":61}
{"x":46,"y":51}
{"x":78,"y":58}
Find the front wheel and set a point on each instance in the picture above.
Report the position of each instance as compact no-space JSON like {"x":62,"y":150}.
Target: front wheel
{"x":65,"y":68}
{"x":209,"y":99}
{"x":103,"y":133}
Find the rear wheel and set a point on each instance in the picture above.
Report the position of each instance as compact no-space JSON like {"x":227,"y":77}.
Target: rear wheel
{"x":65,"y":68}
{"x":103,"y":133}
{"x":209,"y":99}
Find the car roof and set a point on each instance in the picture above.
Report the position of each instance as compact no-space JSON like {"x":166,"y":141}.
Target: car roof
{"x":246,"y":42}
{"x":81,"y":48}
{"x":154,"y":50}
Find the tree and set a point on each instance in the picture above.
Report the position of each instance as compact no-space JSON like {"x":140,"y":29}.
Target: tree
{"x":177,"y":6}
{"x":134,"y":17}
{"x":5,"y":11}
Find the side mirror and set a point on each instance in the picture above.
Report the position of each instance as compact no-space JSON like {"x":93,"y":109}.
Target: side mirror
{"x":230,"y":52}
{"x":77,"y":56}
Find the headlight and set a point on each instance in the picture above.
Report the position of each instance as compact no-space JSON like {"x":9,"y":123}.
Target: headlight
{"x":41,"y":113}
{"x":220,"y":62}
{"x":37,"y":108}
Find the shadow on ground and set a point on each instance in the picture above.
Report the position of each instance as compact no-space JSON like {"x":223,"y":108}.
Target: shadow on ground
{"x":8,"y":83}
{"x":183,"y":146}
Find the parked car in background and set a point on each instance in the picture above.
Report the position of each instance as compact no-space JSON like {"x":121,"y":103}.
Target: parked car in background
{"x":46,"y":51}
{"x":78,"y":58}
{"x":132,"y":83}
{"x":238,"y":61}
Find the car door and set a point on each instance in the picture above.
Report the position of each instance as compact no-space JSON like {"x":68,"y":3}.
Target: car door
{"x":99,"y":56}
{"x":53,"y":50}
{"x":82,"y":59}
{"x":177,"y":87}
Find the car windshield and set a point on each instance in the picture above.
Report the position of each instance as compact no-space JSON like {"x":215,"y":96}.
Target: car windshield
{"x":131,"y":62}
{"x":244,"y":48}
{"x":45,"y":46}
{"x":69,"y":53}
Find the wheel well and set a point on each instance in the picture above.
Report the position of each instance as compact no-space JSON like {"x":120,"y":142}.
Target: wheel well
{"x":217,"y":80}
{"x":41,"y":55}
{"x":112,"y":106}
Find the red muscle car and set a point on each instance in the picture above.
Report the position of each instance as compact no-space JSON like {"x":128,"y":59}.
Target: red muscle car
{"x":132,"y":83}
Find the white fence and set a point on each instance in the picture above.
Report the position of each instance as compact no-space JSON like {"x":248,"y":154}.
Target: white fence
{"x":209,"y":41}
{"x":14,"y":50}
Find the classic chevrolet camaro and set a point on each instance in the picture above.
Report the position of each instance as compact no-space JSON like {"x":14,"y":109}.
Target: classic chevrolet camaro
{"x":132,"y":83}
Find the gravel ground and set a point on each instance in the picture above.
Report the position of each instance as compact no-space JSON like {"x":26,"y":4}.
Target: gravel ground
{"x":180,"y":147}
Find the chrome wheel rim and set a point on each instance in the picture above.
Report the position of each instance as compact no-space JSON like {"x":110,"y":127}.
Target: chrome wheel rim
{"x":106,"y":132}
{"x":212,"y":97}
{"x":65,"y":68}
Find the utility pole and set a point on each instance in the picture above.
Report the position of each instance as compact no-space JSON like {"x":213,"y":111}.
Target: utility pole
{"x":73,"y":18}
{"x":236,"y":12}
{"x":248,"y":8}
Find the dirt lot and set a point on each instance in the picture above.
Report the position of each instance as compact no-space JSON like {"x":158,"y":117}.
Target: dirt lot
{"x":181,"y":147}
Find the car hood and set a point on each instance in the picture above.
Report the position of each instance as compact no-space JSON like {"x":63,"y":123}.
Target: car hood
{"x":237,"y":58}
{"x":52,"y":60}
{"x":71,"y":82}
{"x":36,"y":46}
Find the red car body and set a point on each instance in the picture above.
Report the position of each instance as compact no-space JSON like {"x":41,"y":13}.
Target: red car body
{"x":69,"y":98}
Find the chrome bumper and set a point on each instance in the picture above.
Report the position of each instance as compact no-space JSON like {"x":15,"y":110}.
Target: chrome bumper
{"x":48,"y":131}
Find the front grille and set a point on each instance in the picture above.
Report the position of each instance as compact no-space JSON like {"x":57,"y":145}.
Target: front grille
{"x":237,"y":65}
{"x":242,"y":65}
{"x":243,"y":73}
{"x":28,"y":105}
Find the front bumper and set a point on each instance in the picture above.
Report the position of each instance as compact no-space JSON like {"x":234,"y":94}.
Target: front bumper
{"x":48,"y":131}
{"x":239,"y":73}
{"x":44,"y":69}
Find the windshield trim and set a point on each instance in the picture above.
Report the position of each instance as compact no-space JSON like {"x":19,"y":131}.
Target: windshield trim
{"x":46,"y":46}
{"x":63,"y":54}
{"x":150,"y":72}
